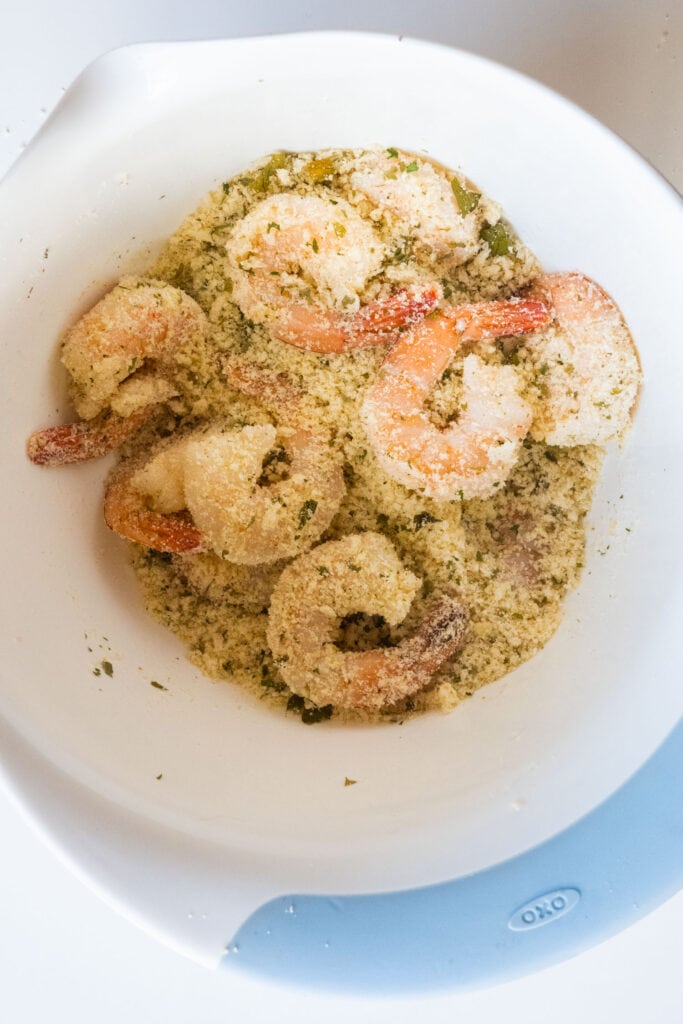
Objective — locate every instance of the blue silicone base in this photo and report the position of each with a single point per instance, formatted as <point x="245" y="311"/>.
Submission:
<point x="546" y="905"/>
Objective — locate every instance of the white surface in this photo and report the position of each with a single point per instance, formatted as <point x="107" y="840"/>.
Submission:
<point x="606" y="74"/>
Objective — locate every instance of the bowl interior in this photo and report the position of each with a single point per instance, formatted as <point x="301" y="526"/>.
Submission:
<point x="138" y="141"/>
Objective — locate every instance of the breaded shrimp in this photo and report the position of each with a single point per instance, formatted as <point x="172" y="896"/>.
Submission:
<point x="290" y="249"/>
<point x="359" y="572"/>
<point x="139" y="323"/>
<point x="439" y="211"/>
<point x="474" y="455"/>
<point x="587" y="364"/>
<point x="203" y="493"/>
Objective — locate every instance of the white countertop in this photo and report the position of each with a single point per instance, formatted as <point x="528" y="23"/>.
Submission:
<point x="64" y="955"/>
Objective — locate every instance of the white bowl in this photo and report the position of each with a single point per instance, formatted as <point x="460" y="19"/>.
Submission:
<point x="251" y="803"/>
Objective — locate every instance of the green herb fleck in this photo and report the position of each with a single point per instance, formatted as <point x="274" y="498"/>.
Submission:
<point x="322" y="570"/>
<point x="411" y="167"/>
<point x="466" y="200"/>
<point x="309" y="716"/>
<point x="295" y="703"/>
<point x="500" y="243"/>
<point x="339" y="229"/>
<point x="158" y="686"/>
<point x="349" y="782"/>
<point x="271" y="684"/>
<point x="272" y="227"/>
<point x="226" y="187"/>
<point x="314" y="245"/>
<point x="107" y="668"/>
<point x="262" y="179"/>
<point x="423" y="519"/>
<point x="392" y="152"/>
<point x="159" y="776"/>
<point x="306" y="511"/>
<point x="353" y="567"/>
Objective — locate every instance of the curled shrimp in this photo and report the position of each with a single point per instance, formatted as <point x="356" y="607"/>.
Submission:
<point x="587" y="364"/>
<point x="359" y="572"/>
<point x="288" y="247"/>
<point x="212" y="480"/>
<point x="139" y="323"/>
<point x="441" y="212"/>
<point x="474" y="455"/>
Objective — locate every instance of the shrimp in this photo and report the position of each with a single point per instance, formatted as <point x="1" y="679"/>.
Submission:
<point x="289" y="246"/>
<point x="587" y="364"/>
<point x="359" y="572"/>
<point x="442" y="213"/>
<point x="249" y="523"/>
<point x="138" y="322"/>
<point x="203" y="493"/>
<point x="474" y="455"/>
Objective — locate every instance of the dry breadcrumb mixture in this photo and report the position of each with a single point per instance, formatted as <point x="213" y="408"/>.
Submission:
<point x="512" y="557"/>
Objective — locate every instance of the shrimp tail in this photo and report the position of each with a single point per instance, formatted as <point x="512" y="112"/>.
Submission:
<point x="126" y="514"/>
<point x="502" y="318"/>
<point x="327" y="331"/>
<point x="385" y="678"/>
<point x="442" y="632"/>
<point x="406" y="307"/>
<point x="84" y="440"/>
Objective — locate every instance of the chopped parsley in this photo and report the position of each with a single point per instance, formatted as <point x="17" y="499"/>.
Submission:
<point x="500" y="243"/>
<point x="158" y="686"/>
<point x="393" y="153"/>
<point x="423" y="519"/>
<point x="306" y="511"/>
<point x="465" y="199"/>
